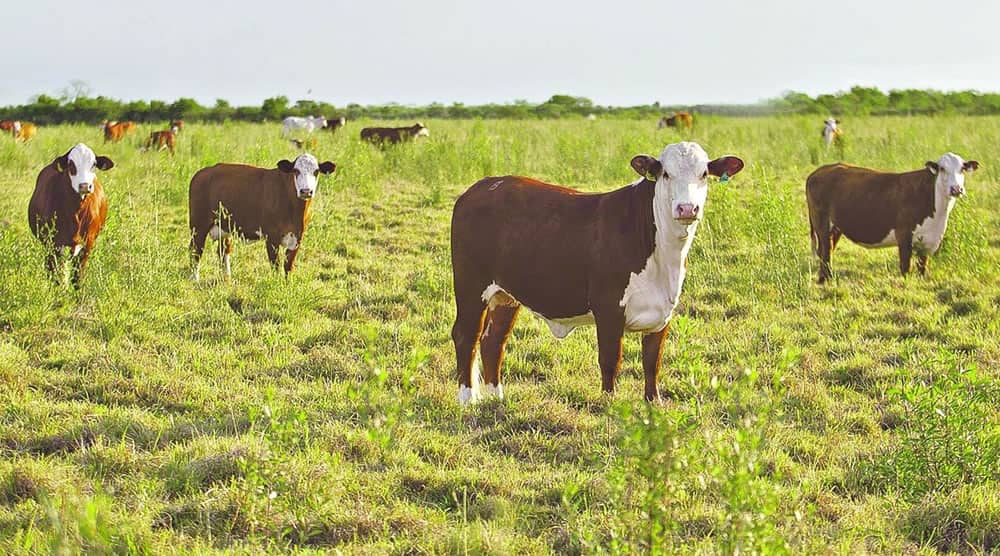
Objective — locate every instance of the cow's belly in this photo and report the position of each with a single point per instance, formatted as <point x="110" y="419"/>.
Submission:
<point x="888" y="241"/>
<point x="560" y="327"/>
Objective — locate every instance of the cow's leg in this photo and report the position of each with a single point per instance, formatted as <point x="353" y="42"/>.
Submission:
<point x="652" y="349"/>
<point x="79" y="263"/>
<point x="610" y="328"/>
<point x="835" y="235"/>
<point x="823" y="241"/>
<point x="290" y="259"/>
<point x="272" y="253"/>
<point x="905" y="241"/>
<point x="196" y="248"/>
<point x="496" y="331"/>
<point x="465" y="332"/>
<point x="225" y="255"/>
<point x="922" y="264"/>
<point x="53" y="266"/>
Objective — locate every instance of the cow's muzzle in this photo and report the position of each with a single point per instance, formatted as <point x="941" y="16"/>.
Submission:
<point x="305" y="195"/>
<point x="686" y="213"/>
<point x="956" y="191"/>
<point x="85" y="189"/>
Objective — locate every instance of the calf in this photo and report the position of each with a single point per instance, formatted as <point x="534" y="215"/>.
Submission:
<point x="613" y="259"/>
<point x="831" y="132"/>
<point x="881" y="209"/>
<point x="679" y="119"/>
<point x="163" y="139"/>
<point x="68" y="208"/>
<point x="295" y="123"/>
<point x="336" y="123"/>
<point x="394" y="135"/>
<point x="273" y="204"/>
<point x="24" y="131"/>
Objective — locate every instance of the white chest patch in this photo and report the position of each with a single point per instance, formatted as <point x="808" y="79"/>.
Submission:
<point x="929" y="233"/>
<point x="290" y="242"/>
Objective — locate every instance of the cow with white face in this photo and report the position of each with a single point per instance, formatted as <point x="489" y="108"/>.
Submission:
<point x="273" y="204"/>
<point x="307" y="124"/>
<point x="830" y="131"/>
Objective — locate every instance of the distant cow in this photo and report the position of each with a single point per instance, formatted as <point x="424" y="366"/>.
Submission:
<point x="177" y="125"/>
<point x="336" y="123"/>
<point x="114" y="132"/>
<point x="273" y="204"/>
<point x="7" y="126"/>
<point x="614" y="259"/>
<point x="880" y="209"/>
<point x="393" y="135"/>
<point x="679" y="119"/>
<point x="24" y="131"/>
<point x="831" y="132"/>
<point x="295" y="123"/>
<point x="68" y="208"/>
<point x="163" y="139"/>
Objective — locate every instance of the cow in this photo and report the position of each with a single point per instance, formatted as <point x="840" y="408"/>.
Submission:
<point x="394" y="135"/>
<point x="163" y="139"/>
<point x="7" y="126"/>
<point x="24" y="131"/>
<point x="295" y="123"/>
<point x="179" y="124"/>
<point x="130" y="126"/>
<point x="114" y="131"/>
<point x="882" y="209"/>
<point x="679" y="119"/>
<point x="615" y="259"/>
<point x="273" y="204"/>
<point x="336" y="123"/>
<point x="68" y="208"/>
<point x="831" y="133"/>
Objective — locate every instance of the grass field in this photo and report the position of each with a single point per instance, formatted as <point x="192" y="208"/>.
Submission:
<point x="150" y="414"/>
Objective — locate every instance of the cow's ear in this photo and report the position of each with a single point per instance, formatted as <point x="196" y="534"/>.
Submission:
<point x="725" y="166"/>
<point x="970" y="166"/>
<point x="104" y="163"/>
<point x="647" y="166"/>
<point x="932" y="166"/>
<point x="286" y="166"/>
<point x="61" y="162"/>
<point x="327" y="167"/>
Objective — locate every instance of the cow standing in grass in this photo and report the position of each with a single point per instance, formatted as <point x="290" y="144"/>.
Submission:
<point x="394" y="135"/>
<point x="880" y="209"/>
<point x="273" y="204"/>
<point x="832" y="134"/>
<point x="307" y="124"/>
<point x="614" y="259"/>
<point x="68" y="208"/>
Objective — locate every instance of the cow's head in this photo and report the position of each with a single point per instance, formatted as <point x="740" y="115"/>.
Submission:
<point x="80" y="164"/>
<point x="682" y="172"/>
<point x="831" y="123"/>
<point x="421" y="130"/>
<point x="306" y="170"/>
<point x="950" y="170"/>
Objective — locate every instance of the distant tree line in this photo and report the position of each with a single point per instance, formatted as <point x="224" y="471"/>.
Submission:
<point x="81" y="108"/>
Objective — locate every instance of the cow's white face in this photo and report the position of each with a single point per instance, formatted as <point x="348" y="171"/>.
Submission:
<point x="682" y="173"/>
<point x="950" y="170"/>
<point x="80" y="164"/>
<point x="831" y="124"/>
<point x="306" y="170"/>
<point x="423" y="132"/>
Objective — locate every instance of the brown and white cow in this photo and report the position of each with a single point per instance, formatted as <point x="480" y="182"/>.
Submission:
<point x="831" y="131"/>
<point x="7" y="126"/>
<point x="24" y="131"/>
<point x="336" y="123"/>
<point x="273" y="204"/>
<point x="613" y="259"/>
<point x="177" y="124"/>
<point x="114" y="131"/>
<point x="881" y="209"/>
<point x="679" y="119"/>
<point x="163" y="139"/>
<point x="68" y="207"/>
<point x="394" y="135"/>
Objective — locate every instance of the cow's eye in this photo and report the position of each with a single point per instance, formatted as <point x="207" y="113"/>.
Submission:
<point x="666" y="176"/>
<point x="316" y="173"/>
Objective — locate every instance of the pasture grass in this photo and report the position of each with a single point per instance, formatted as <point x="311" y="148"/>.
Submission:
<point x="150" y="414"/>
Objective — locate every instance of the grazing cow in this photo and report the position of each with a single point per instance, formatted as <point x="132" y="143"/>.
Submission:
<point x="679" y="119"/>
<point x="394" y="135"/>
<point x="7" y="126"/>
<point x="336" y="123"/>
<point x="881" y="209"/>
<point x="295" y="123"/>
<point x="831" y="132"/>
<point x="24" y="131"/>
<point x="253" y="203"/>
<point x="163" y="139"/>
<point x="114" y="131"/>
<point x="613" y="259"/>
<point x="68" y="208"/>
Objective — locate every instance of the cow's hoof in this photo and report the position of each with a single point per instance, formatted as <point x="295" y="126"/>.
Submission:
<point x="467" y="395"/>
<point x="493" y="391"/>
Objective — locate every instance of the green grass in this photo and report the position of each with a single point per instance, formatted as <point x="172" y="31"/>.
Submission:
<point x="150" y="414"/>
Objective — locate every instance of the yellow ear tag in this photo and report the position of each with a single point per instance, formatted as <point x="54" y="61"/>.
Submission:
<point x="59" y="166"/>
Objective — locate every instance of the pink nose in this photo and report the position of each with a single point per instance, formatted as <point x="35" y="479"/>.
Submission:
<point x="956" y="191"/>
<point x="687" y="211"/>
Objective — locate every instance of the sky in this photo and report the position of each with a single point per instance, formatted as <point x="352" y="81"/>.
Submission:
<point x="621" y="52"/>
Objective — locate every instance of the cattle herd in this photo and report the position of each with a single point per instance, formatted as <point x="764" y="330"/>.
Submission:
<point x="616" y="260"/>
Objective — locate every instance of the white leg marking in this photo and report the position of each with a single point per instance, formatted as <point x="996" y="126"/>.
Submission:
<point x="228" y="268"/>
<point x="467" y="395"/>
<point x="492" y="391"/>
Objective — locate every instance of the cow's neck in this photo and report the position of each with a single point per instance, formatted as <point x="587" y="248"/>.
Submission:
<point x="929" y="232"/>
<point x="673" y="241"/>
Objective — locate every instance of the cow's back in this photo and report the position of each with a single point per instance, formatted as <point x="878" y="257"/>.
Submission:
<point x="246" y="192"/>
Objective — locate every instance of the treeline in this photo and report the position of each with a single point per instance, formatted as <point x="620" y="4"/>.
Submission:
<point x="858" y="101"/>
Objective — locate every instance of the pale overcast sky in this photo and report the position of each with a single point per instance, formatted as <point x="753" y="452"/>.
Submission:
<point x="420" y="51"/>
